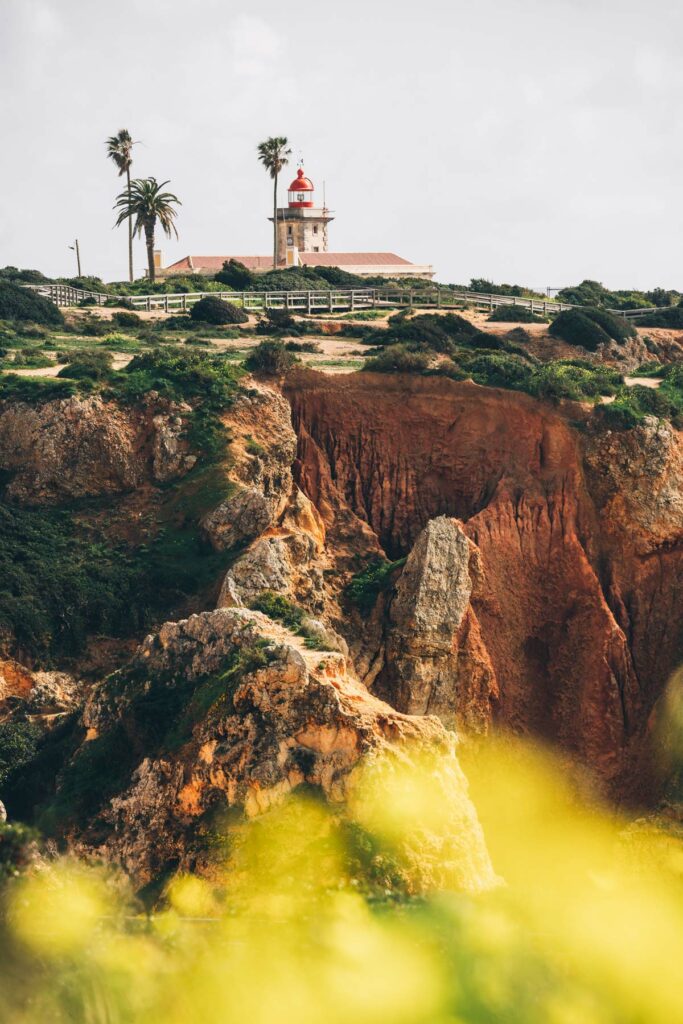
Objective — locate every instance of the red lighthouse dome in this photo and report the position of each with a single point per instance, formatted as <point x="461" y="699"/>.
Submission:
<point x="301" y="190"/>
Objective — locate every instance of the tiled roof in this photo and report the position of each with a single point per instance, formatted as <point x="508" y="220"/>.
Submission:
<point x="351" y="259"/>
<point x="199" y="263"/>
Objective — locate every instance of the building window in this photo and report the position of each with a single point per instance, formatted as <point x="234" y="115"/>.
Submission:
<point x="316" y="248"/>
<point x="315" y="229"/>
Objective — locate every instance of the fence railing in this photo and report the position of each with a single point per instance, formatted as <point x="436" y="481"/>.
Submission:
<point x="333" y="301"/>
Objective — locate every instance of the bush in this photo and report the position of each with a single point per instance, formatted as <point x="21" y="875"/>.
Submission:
<point x="33" y="358"/>
<point x="276" y="321"/>
<point x="277" y="607"/>
<point x="125" y="319"/>
<point x="619" y="329"/>
<point x="499" y="370"/>
<point x="515" y="315"/>
<point x="367" y="585"/>
<point x="89" y="325"/>
<point x="303" y="346"/>
<point x="212" y="310"/>
<point x="18" y="742"/>
<point x="576" y="328"/>
<point x="18" y="849"/>
<point x="235" y="275"/>
<point x="398" y="359"/>
<point x="91" y="364"/>
<point x="35" y="390"/>
<point x="18" y="303"/>
<point x="669" y="317"/>
<point x="270" y="357"/>
<point x="26" y="276"/>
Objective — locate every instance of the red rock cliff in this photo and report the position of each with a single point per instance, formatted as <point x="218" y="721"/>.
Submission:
<point x="579" y="533"/>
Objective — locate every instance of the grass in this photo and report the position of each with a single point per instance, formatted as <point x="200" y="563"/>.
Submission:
<point x="281" y="609"/>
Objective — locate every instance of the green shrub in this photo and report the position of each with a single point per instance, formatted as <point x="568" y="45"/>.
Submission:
<point x="367" y="585"/>
<point x="570" y="379"/>
<point x="87" y="283"/>
<point x="270" y="357"/>
<point x="669" y="317"/>
<point x="25" y="276"/>
<point x="303" y="346"/>
<point x="180" y="375"/>
<point x="277" y="607"/>
<point x="212" y="310"/>
<point x="398" y="359"/>
<point x="29" y="358"/>
<point x="18" y="743"/>
<point x="426" y="331"/>
<point x="576" y="328"/>
<point x="89" y="364"/>
<point x="276" y="321"/>
<point x="88" y="325"/>
<point x="125" y="319"/>
<point x="482" y="286"/>
<point x="18" y="303"/>
<point x="18" y="846"/>
<point x="499" y="370"/>
<point x="235" y="275"/>
<point x="619" y="329"/>
<point x="515" y="315"/>
<point x="35" y="390"/>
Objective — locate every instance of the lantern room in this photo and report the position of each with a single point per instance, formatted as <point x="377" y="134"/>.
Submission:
<point x="300" y="194"/>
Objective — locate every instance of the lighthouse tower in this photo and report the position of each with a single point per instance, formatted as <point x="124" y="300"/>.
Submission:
<point x="301" y="225"/>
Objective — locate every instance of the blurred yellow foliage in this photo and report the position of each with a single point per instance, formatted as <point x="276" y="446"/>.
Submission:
<point x="318" y="917"/>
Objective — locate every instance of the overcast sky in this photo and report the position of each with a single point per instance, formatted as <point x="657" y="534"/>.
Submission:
<point x="534" y="141"/>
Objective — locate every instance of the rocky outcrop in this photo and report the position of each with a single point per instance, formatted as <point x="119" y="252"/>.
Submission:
<point x="42" y="696"/>
<point x="263" y="446"/>
<point x="578" y="534"/>
<point x="86" y="447"/>
<point x="435" y="659"/>
<point x="279" y="720"/>
<point x="288" y="559"/>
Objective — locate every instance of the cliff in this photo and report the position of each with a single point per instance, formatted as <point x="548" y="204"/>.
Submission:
<point x="578" y="534"/>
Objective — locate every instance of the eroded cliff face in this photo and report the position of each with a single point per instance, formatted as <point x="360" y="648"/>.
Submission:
<point x="286" y="717"/>
<point x="88" y="447"/>
<point x="578" y="533"/>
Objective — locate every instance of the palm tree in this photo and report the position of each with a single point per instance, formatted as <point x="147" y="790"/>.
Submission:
<point x="274" y="155"/>
<point x="120" y="150"/>
<point x="145" y="201"/>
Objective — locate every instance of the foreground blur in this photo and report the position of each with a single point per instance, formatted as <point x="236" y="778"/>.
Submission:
<point x="314" y="918"/>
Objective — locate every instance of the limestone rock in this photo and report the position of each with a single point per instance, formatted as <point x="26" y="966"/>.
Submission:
<point x="84" y="447"/>
<point x="298" y="717"/>
<point x="263" y="449"/>
<point x="435" y="660"/>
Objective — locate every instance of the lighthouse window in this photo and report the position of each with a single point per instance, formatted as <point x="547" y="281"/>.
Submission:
<point x="315" y="229"/>
<point x="300" y="197"/>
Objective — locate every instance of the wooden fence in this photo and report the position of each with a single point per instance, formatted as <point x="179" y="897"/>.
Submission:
<point x="333" y="301"/>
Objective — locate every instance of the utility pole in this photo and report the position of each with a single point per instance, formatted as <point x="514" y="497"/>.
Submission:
<point x="75" y="248"/>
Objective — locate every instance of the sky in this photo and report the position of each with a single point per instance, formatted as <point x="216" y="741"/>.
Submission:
<point x="528" y="141"/>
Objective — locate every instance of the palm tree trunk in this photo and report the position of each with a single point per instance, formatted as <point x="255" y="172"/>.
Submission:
<point x="130" y="232"/>
<point x="149" y="242"/>
<point x="275" y="222"/>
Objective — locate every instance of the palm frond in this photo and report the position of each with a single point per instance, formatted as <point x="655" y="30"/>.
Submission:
<point x="274" y="154"/>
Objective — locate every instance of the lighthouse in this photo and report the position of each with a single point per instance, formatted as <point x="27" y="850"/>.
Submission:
<point x="301" y="225"/>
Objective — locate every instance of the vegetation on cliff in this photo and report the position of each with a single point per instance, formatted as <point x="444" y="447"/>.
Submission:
<point x="17" y="303"/>
<point x="589" y="328"/>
